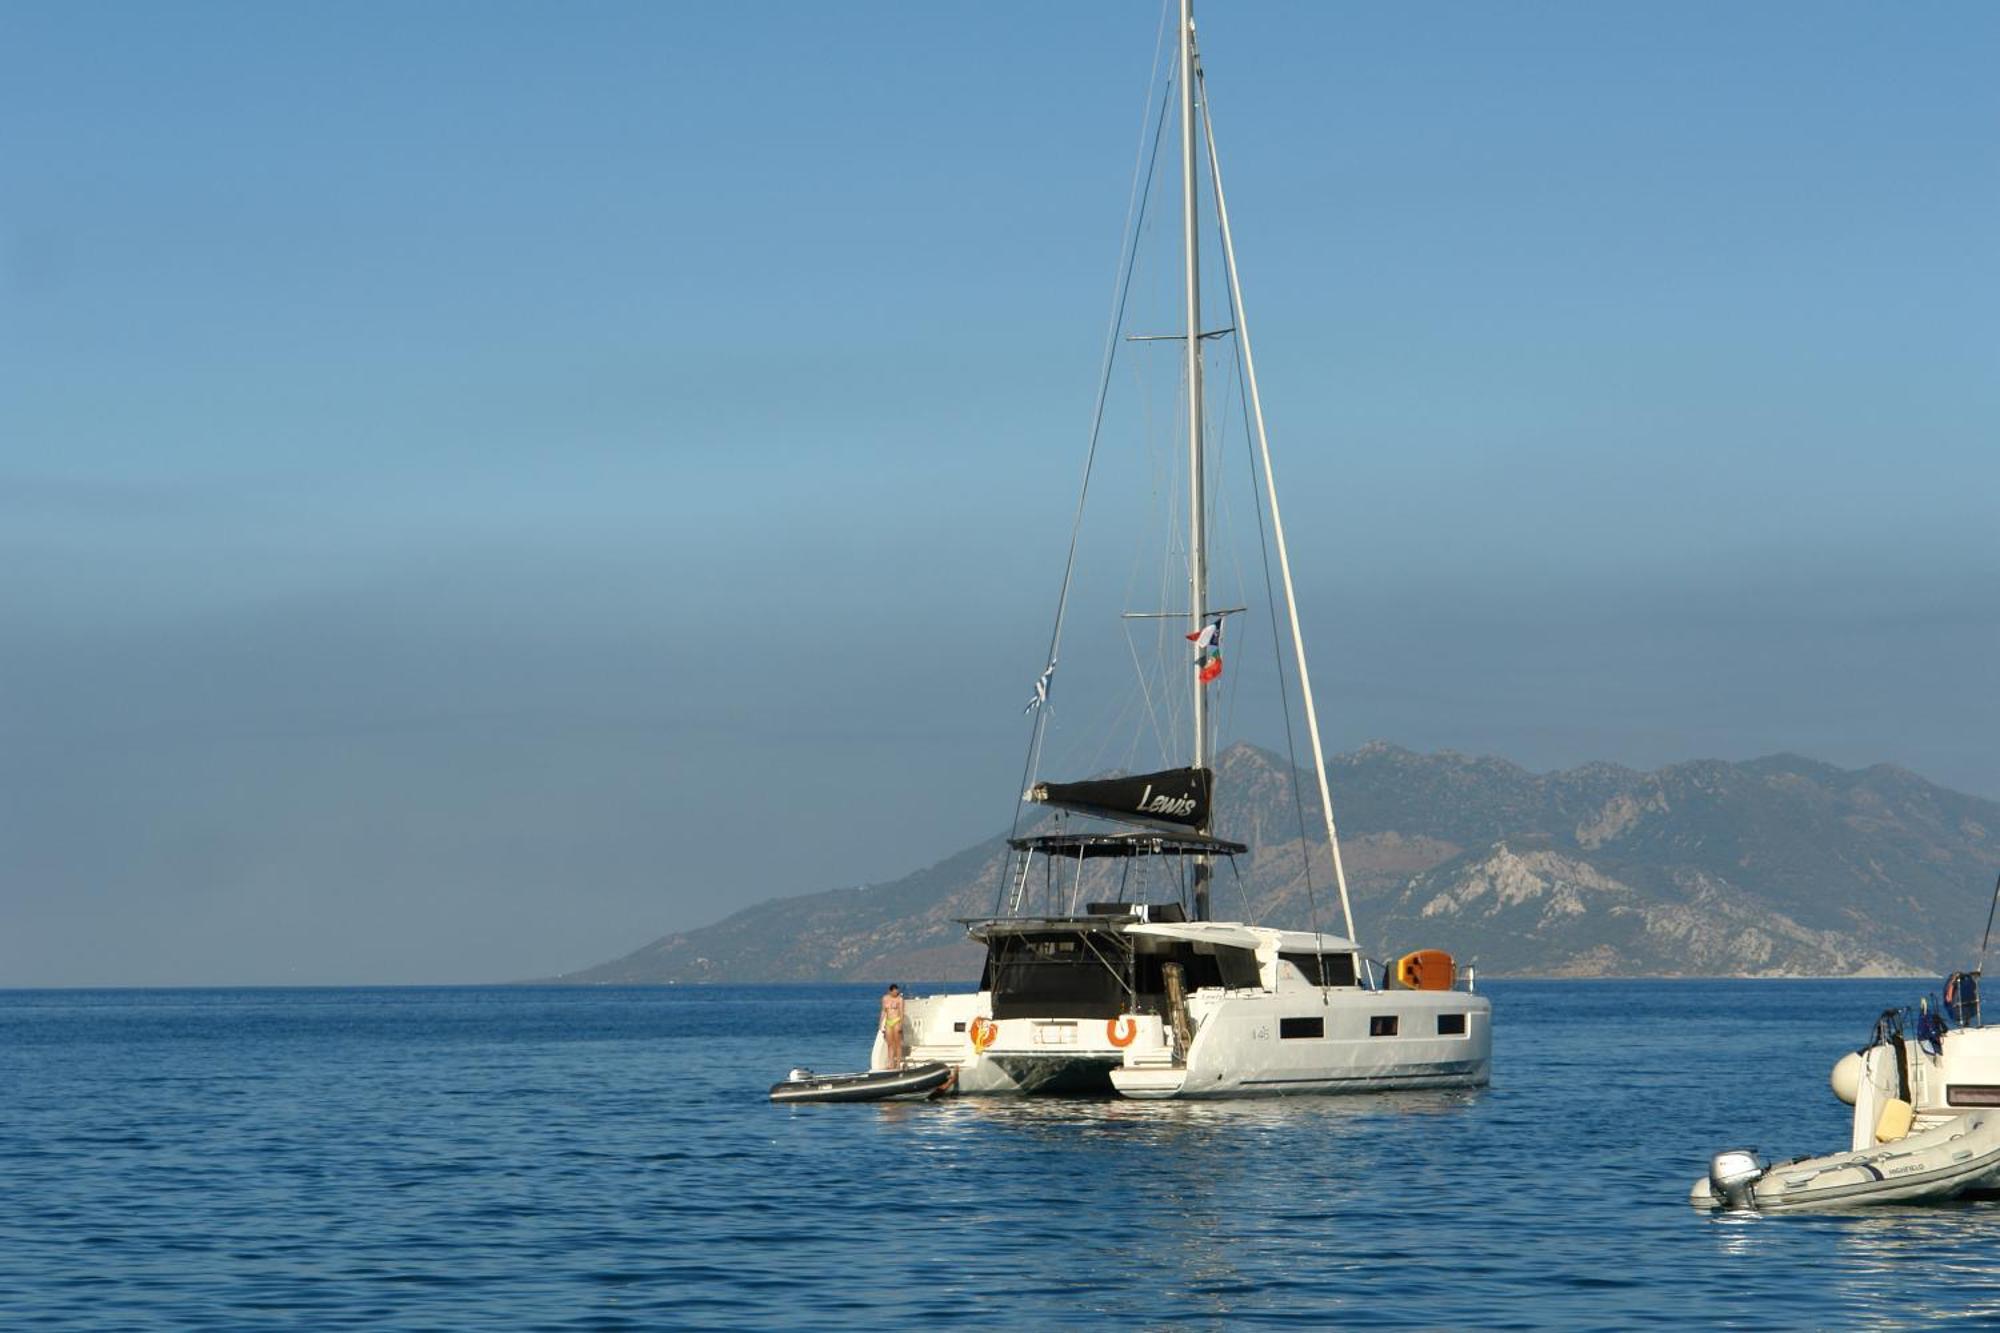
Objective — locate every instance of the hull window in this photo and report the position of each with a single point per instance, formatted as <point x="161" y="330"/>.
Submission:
<point x="1451" y="1025"/>
<point x="1382" y="1025"/>
<point x="1301" y="1027"/>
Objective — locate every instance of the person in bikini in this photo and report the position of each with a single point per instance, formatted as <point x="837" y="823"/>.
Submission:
<point x="892" y="1025"/>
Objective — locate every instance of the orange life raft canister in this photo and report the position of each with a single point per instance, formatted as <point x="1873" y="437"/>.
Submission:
<point x="1425" y="969"/>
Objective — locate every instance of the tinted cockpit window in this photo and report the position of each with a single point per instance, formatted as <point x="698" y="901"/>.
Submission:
<point x="1339" y="967"/>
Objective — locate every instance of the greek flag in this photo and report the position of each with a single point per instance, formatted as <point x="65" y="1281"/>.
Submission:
<point x="1041" y="695"/>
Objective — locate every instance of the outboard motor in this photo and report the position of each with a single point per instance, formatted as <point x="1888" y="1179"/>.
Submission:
<point x="1731" y="1174"/>
<point x="799" y="1074"/>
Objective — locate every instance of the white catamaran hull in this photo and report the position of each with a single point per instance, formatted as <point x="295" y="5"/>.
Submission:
<point x="1246" y="1044"/>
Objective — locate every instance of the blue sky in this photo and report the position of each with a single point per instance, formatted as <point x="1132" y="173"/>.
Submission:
<point x="483" y="485"/>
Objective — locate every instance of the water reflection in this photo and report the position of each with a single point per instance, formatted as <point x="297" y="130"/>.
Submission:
<point x="1946" y="1245"/>
<point x="1041" y="1114"/>
<point x="1196" y="1198"/>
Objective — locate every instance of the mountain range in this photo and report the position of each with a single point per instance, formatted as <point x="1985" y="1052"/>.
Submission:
<point x="1781" y="866"/>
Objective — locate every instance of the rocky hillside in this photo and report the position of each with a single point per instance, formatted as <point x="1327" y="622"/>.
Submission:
<point x="1776" y="867"/>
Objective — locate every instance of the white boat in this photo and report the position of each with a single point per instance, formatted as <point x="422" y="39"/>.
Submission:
<point x="1933" y="1165"/>
<point x="1926" y="1126"/>
<point x="1147" y="995"/>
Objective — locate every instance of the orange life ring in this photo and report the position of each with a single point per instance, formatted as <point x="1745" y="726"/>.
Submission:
<point x="1128" y="1026"/>
<point x="982" y="1032"/>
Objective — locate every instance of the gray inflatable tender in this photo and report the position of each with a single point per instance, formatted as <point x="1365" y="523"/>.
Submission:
<point x="1936" y="1164"/>
<point x="911" y="1081"/>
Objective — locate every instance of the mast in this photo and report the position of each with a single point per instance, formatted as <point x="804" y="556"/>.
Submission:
<point x="1197" y="502"/>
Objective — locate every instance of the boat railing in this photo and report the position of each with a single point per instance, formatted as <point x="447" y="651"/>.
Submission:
<point x="1961" y="999"/>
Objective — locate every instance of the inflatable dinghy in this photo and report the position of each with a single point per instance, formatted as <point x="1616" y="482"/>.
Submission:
<point x="1935" y="1164"/>
<point x="907" y="1083"/>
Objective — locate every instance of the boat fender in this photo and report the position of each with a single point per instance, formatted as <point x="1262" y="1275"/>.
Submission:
<point x="1846" y="1077"/>
<point x="1731" y="1175"/>
<point x="982" y="1032"/>
<point x="1122" y="1032"/>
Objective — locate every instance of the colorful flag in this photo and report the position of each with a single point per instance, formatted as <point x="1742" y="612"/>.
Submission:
<point x="1207" y="651"/>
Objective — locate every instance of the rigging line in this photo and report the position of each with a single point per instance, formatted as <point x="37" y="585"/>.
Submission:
<point x="1278" y="658"/>
<point x="1145" y="688"/>
<point x="1117" y="973"/>
<point x="1135" y="207"/>
<point x="1983" y="939"/>
<point x="1242" y="893"/>
<point x="1229" y="700"/>
<point x="1277" y="519"/>
<point x="1021" y="887"/>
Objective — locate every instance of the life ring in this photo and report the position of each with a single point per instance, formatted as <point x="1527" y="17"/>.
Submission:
<point x="1122" y="1031"/>
<point x="982" y="1032"/>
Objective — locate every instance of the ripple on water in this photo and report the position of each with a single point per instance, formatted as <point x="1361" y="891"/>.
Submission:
<point x="607" y="1159"/>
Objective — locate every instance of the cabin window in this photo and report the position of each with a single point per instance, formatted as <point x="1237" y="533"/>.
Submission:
<point x="1301" y="1027"/>
<point x="1382" y="1025"/>
<point x="1197" y="970"/>
<point x="1451" y="1025"/>
<point x="1237" y="967"/>
<point x="1204" y="966"/>
<point x="1339" y="967"/>
<point x="1972" y="1094"/>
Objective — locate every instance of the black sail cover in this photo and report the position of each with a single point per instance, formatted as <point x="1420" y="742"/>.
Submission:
<point x="1177" y="796"/>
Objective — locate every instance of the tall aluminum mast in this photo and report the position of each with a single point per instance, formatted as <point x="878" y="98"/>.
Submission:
<point x="1197" y="503"/>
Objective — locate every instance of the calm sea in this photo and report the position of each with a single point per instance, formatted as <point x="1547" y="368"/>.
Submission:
<point x="548" y="1158"/>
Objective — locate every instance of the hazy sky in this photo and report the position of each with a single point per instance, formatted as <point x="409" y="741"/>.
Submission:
<point x="482" y="485"/>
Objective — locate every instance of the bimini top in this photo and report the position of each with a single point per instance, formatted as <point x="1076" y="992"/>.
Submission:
<point x="1235" y="934"/>
<point x="1088" y="845"/>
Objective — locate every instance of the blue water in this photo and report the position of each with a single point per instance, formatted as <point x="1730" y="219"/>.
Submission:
<point x="487" y="1158"/>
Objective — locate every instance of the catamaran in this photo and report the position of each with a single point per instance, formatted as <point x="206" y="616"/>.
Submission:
<point x="1149" y="995"/>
